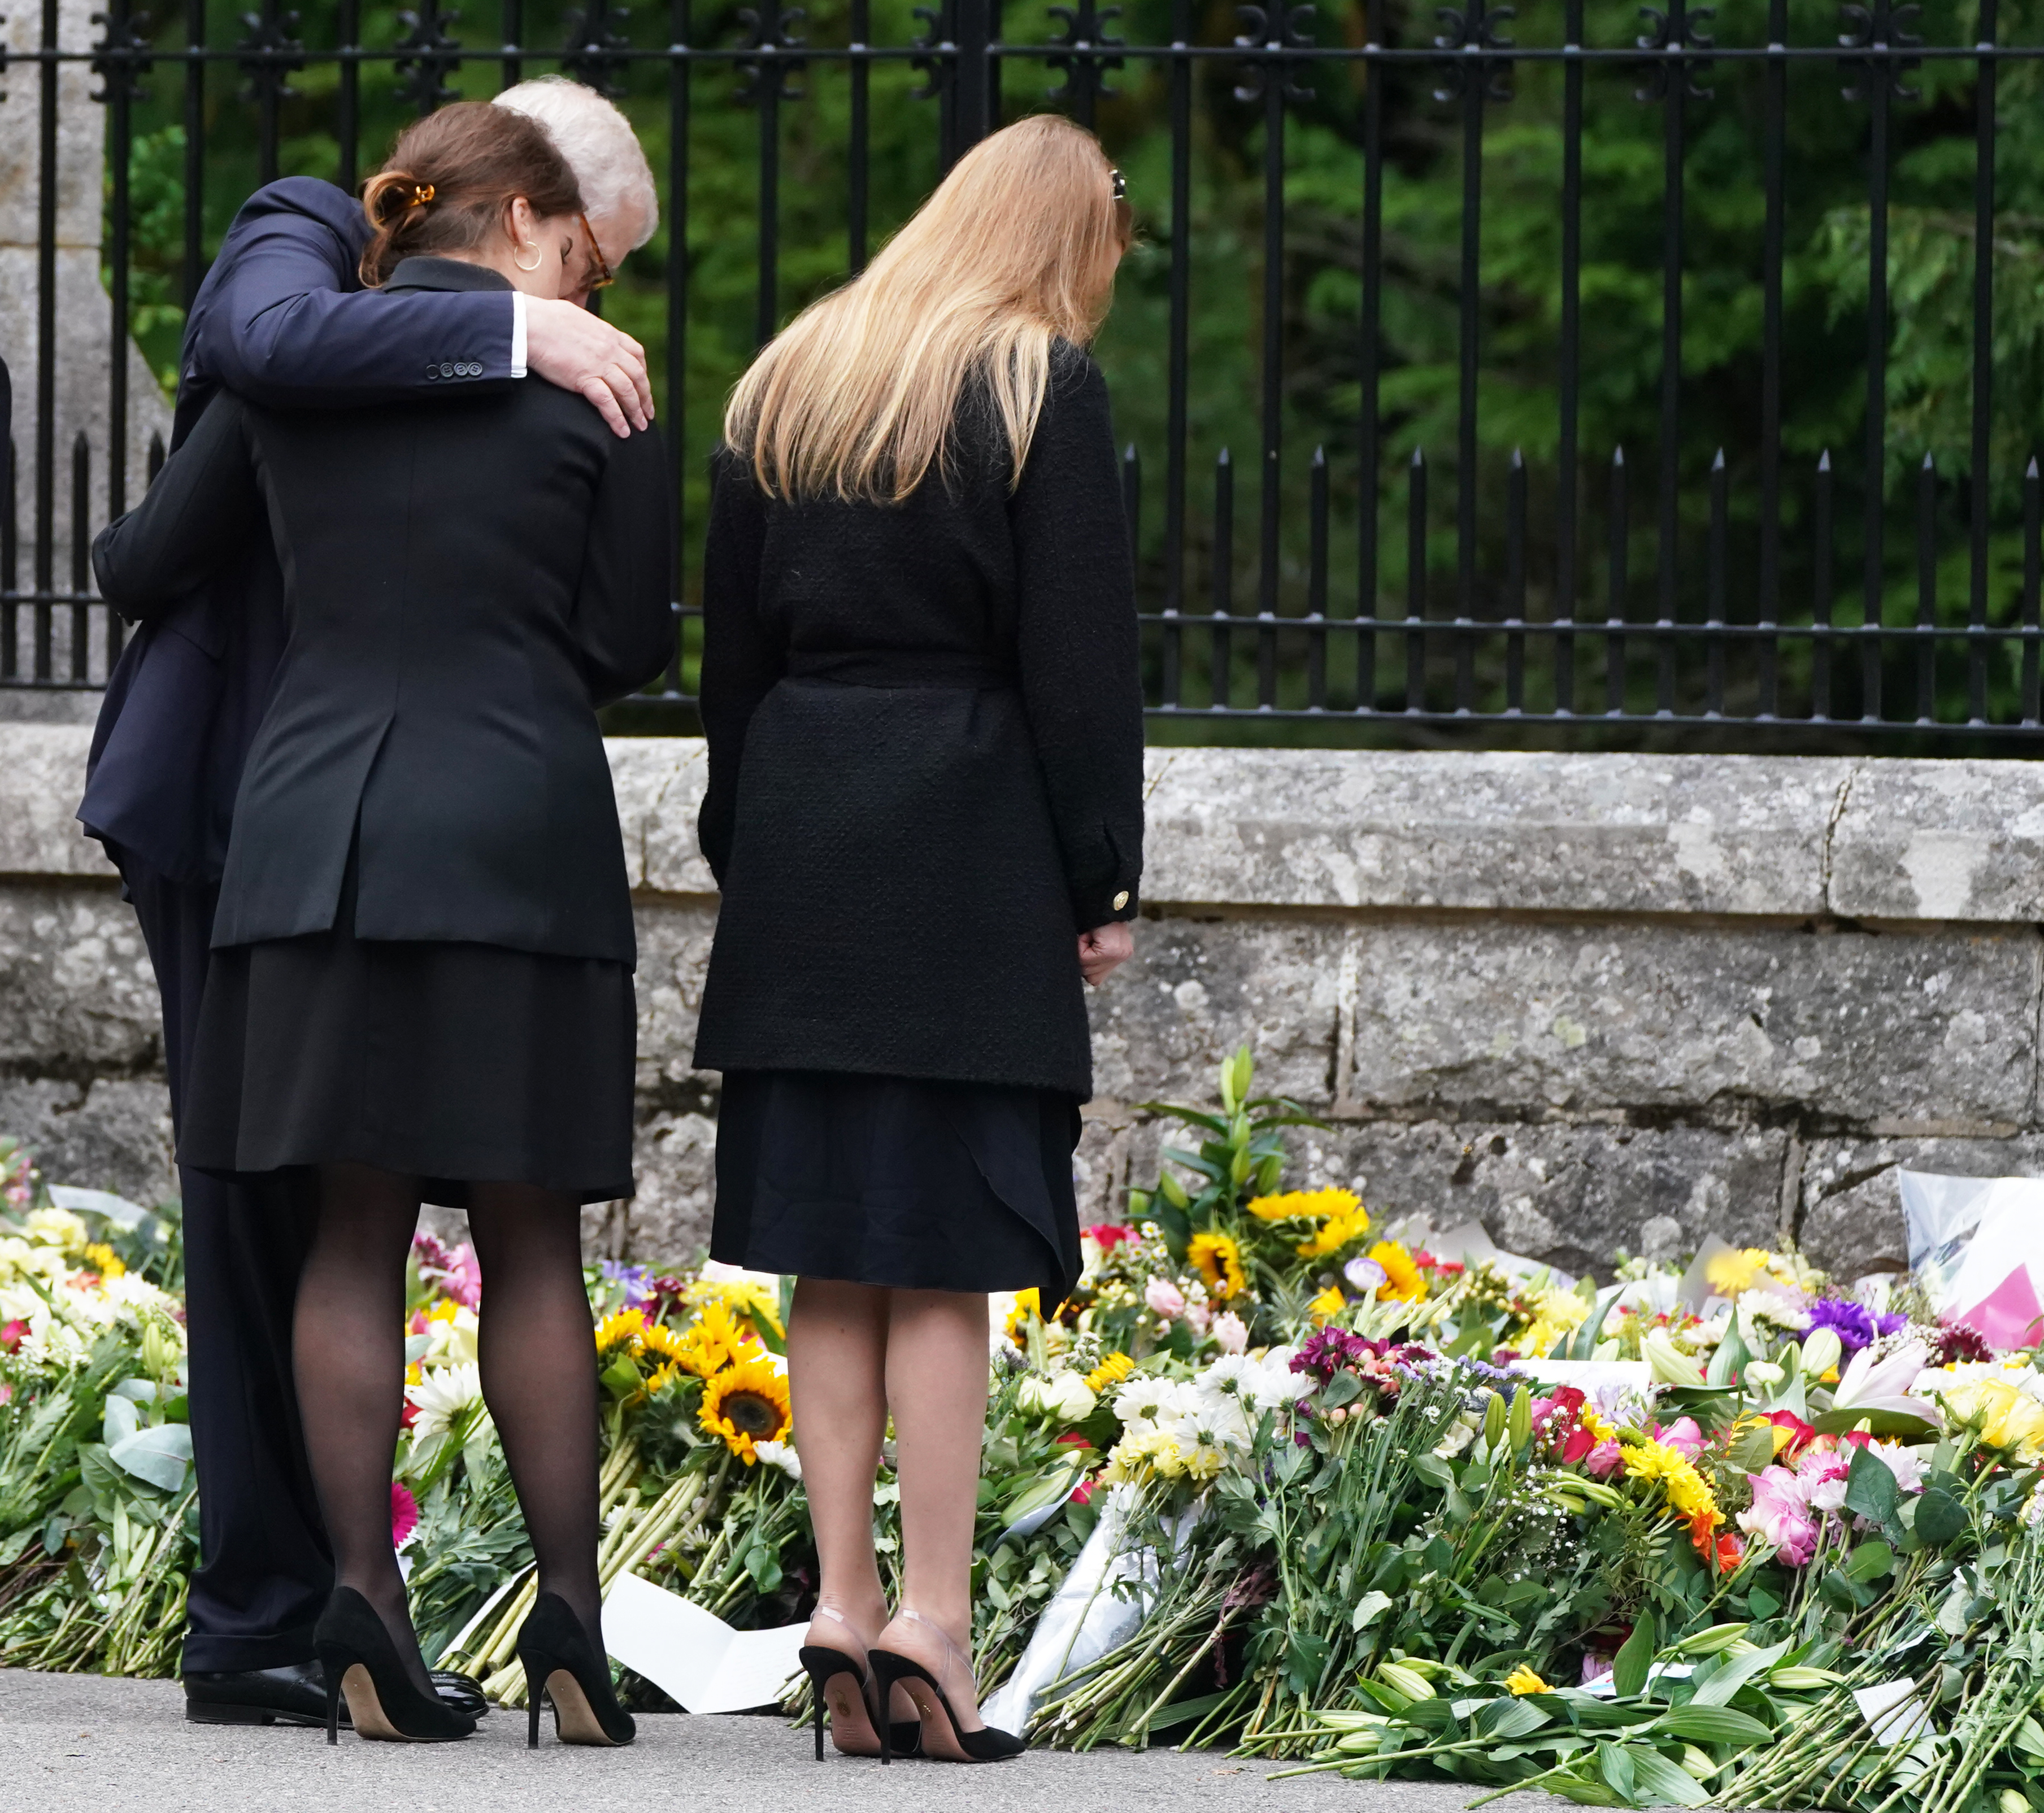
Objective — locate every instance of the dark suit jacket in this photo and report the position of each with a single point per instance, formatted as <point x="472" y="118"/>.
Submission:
<point x="282" y="319"/>
<point x="465" y="581"/>
<point x="925" y="759"/>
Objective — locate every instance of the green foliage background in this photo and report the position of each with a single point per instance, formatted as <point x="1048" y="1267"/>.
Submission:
<point x="1930" y="265"/>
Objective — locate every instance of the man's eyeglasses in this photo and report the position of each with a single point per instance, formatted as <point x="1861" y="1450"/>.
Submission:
<point x="603" y="276"/>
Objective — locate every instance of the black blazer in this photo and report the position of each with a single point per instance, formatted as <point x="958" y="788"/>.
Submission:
<point x="465" y="581"/>
<point x="925" y="759"/>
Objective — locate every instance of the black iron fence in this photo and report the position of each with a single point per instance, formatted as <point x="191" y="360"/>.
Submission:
<point x="1646" y="372"/>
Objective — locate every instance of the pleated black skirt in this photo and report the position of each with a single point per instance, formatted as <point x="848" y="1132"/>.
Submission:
<point x="455" y="1064"/>
<point x="884" y="1180"/>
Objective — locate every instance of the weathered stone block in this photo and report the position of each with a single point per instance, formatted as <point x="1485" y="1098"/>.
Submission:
<point x="1197" y="989"/>
<point x="42" y="777"/>
<point x="674" y="957"/>
<point x="1941" y="840"/>
<point x="77" y="994"/>
<point x="1612" y="833"/>
<point x="109" y="1134"/>
<point x="1713" y="1019"/>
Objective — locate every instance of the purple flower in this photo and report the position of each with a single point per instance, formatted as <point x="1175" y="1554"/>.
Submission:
<point x="1857" y="1326"/>
<point x="635" y="1282"/>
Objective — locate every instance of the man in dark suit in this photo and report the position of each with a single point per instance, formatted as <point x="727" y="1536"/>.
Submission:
<point x="283" y="318"/>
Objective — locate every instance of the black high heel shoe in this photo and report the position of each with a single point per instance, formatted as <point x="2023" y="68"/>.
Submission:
<point x="561" y="1665"/>
<point x="825" y="1665"/>
<point x="891" y="1669"/>
<point x="359" y="1660"/>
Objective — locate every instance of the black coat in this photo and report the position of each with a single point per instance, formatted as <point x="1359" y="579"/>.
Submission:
<point x="925" y="759"/>
<point x="465" y="581"/>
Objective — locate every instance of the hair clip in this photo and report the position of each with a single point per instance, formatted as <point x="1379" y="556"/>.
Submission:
<point x="1119" y="182"/>
<point x="422" y="193"/>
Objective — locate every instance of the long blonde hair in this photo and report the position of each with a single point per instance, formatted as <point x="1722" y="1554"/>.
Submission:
<point x="857" y="396"/>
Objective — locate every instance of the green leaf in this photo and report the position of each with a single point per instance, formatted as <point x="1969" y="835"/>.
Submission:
<point x="1615" y="1764"/>
<point x="1368" y="1608"/>
<point x="1870" y="1488"/>
<point x="1753" y="1448"/>
<point x="1871" y="1560"/>
<point x="1940" y="1517"/>
<point x="1634" y="1657"/>
<point x="1434" y="1470"/>
<point x="1711" y="1724"/>
<point x="1736" y="1673"/>
<point x="1888" y="1425"/>
<point x="1656" y="1781"/>
<point x="162" y="1455"/>
<point x="1505" y="1720"/>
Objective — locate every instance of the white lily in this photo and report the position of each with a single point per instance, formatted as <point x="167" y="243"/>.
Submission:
<point x="1868" y="1384"/>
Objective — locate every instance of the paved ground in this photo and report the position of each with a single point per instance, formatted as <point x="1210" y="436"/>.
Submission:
<point x="83" y="1744"/>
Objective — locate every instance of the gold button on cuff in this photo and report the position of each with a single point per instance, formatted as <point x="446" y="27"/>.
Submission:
<point x="1121" y="900"/>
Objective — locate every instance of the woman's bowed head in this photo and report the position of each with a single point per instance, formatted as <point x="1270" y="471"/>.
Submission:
<point x="487" y="184"/>
<point x="1017" y="249"/>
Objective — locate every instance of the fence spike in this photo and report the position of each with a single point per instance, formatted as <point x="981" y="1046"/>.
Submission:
<point x="1717" y="465"/>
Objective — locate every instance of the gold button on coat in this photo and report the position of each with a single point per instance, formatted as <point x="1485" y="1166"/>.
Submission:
<point x="1121" y="900"/>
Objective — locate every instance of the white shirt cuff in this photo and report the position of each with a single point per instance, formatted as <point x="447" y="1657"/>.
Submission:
<point x="517" y="333"/>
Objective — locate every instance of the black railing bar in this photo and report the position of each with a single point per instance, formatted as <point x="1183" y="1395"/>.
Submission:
<point x="1632" y="59"/>
<point x="1855" y="728"/>
<point x="1480" y="629"/>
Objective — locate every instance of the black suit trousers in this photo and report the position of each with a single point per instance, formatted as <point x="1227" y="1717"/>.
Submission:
<point x="265" y="1567"/>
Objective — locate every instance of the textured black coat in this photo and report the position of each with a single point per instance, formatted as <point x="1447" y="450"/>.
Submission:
<point x="465" y="580"/>
<point x="925" y="759"/>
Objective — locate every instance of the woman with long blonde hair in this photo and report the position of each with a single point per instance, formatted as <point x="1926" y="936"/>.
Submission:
<point x="920" y="691"/>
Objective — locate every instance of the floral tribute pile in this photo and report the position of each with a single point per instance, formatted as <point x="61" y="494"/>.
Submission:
<point x="1722" y="1533"/>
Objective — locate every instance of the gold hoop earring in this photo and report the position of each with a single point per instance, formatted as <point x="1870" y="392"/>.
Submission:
<point x="538" y="257"/>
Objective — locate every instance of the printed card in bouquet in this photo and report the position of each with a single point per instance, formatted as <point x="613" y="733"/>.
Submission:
<point x="1977" y="1245"/>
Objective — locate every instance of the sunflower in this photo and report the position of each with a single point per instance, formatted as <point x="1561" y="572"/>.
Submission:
<point x="1402" y="1281"/>
<point x="662" y="1376"/>
<point x="1028" y="1304"/>
<point x="739" y="1296"/>
<point x="626" y="1329"/>
<point x="1219" y="1262"/>
<point x="658" y="1339"/>
<point x="1309" y="1206"/>
<point x="747" y="1404"/>
<point x="715" y="1338"/>
<point x="1328" y="1304"/>
<point x="1111" y="1371"/>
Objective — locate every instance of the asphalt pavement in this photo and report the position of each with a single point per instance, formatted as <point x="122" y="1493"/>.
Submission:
<point x="85" y="1744"/>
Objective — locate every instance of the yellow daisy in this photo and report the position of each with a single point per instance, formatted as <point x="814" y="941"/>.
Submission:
<point x="1731" y="1271"/>
<point x="1688" y="1495"/>
<point x="1523" y="1679"/>
<point x="747" y="1404"/>
<point x="1328" y="1303"/>
<point x="1219" y="1262"/>
<point x="102" y="1259"/>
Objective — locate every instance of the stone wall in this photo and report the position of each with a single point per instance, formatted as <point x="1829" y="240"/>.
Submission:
<point x="1601" y="1002"/>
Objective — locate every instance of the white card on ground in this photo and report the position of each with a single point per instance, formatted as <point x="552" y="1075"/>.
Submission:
<point x="692" y="1655"/>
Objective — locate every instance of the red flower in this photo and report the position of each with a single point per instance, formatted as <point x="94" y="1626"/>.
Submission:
<point x="1082" y="1492"/>
<point x="12" y="1335"/>
<point x="1579" y="1443"/>
<point x="1109" y="1235"/>
<point x="1800" y="1434"/>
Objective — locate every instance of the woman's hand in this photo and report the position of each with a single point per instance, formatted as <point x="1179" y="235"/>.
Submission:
<point x="1104" y="949"/>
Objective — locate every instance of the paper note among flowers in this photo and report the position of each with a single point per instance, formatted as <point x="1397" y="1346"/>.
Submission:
<point x="692" y="1655"/>
<point x="1977" y="1243"/>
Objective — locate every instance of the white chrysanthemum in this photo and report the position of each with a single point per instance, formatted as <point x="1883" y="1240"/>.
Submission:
<point x="1214" y="1421"/>
<point x="1143" y="1403"/>
<point x="442" y="1398"/>
<point x="1273" y="1384"/>
<point x="1227" y="1374"/>
<point x="780" y="1455"/>
<point x="137" y="1299"/>
<point x="21" y="1259"/>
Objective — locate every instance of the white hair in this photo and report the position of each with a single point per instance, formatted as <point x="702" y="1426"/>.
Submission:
<point x="601" y="147"/>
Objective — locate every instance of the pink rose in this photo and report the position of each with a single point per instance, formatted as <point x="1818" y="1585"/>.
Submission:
<point x="1779" y="1514"/>
<point x="1198" y="1315"/>
<point x="1603" y="1460"/>
<point x="1230" y="1331"/>
<point x="1165" y="1297"/>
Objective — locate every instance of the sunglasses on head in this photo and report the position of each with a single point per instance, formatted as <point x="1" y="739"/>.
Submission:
<point x="1124" y="213"/>
<point x="603" y="276"/>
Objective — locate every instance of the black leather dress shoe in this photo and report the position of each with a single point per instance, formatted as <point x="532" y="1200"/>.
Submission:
<point x="296" y="1694"/>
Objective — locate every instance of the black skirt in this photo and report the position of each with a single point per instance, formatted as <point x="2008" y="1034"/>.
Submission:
<point x="884" y="1180"/>
<point x="455" y="1064"/>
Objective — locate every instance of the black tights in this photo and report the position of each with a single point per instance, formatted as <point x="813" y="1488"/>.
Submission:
<point x="538" y="1377"/>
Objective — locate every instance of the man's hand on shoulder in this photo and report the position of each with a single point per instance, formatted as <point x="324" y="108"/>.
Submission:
<point x="569" y="346"/>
